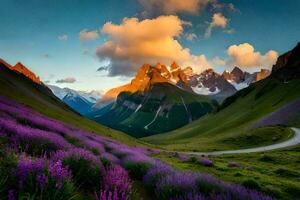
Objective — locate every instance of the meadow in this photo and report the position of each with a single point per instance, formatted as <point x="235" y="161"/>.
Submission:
<point x="231" y="127"/>
<point x="42" y="158"/>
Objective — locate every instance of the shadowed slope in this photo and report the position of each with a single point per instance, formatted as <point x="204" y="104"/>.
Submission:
<point x="22" y="89"/>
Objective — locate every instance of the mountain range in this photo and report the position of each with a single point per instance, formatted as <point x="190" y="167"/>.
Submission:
<point x="80" y="101"/>
<point x="161" y="98"/>
<point x="209" y="82"/>
<point x="272" y="102"/>
<point x="155" y="101"/>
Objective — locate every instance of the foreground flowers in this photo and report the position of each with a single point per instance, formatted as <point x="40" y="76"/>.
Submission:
<point x="42" y="158"/>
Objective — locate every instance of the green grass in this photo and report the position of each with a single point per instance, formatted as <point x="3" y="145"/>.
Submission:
<point x="276" y="172"/>
<point x="18" y="88"/>
<point x="233" y="121"/>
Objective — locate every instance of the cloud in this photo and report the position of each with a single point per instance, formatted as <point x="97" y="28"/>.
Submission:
<point x="63" y="37"/>
<point x="244" y="55"/>
<point x="66" y="80"/>
<point x="134" y="42"/>
<point x="218" y="61"/>
<point x="86" y="35"/>
<point x="190" y="36"/>
<point x="103" y="68"/>
<point x="218" y="20"/>
<point x="157" y="7"/>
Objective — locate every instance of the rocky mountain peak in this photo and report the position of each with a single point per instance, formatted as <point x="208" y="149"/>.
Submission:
<point x="19" y="67"/>
<point x="174" y="66"/>
<point x="287" y="66"/>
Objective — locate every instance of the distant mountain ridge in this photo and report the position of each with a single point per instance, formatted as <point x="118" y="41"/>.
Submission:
<point x="80" y="101"/>
<point x="209" y="82"/>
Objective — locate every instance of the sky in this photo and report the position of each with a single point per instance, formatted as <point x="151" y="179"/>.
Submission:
<point x="95" y="44"/>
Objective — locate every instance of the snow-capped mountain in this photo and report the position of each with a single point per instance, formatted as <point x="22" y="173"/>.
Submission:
<point x="211" y="83"/>
<point x="78" y="100"/>
<point x="91" y="96"/>
<point x="240" y="79"/>
<point x="208" y="83"/>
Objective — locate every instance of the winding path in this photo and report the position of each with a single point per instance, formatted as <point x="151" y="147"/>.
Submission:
<point x="290" y="142"/>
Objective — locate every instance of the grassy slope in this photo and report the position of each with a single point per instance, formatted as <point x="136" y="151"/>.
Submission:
<point x="277" y="172"/>
<point x="232" y="122"/>
<point x="19" y="88"/>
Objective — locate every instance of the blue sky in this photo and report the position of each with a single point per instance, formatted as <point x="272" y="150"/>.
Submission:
<point x="30" y="32"/>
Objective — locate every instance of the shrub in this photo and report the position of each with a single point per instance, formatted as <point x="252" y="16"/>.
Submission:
<point x="286" y="172"/>
<point x="117" y="181"/>
<point x="266" y="158"/>
<point x="251" y="184"/>
<point x="206" y="162"/>
<point x="233" y="164"/>
<point x="109" y="159"/>
<point x="193" y="159"/>
<point x="156" y="173"/>
<point x="207" y="184"/>
<point x="137" y="165"/>
<point x="39" y="178"/>
<point x="176" y="184"/>
<point x="86" y="168"/>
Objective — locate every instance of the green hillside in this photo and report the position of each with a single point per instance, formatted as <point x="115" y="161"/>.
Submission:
<point x="229" y="128"/>
<point x="21" y="89"/>
<point x="161" y="108"/>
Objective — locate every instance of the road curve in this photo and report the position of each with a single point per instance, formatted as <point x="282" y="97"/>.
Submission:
<point x="290" y="142"/>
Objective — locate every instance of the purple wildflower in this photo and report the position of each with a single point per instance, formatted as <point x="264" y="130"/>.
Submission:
<point x="11" y="195"/>
<point x="233" y="164"/>
<point x="42" y="180"/>
<point x="206" y="162"/>
<point x="57" y="171"/>
<point x="117" y="179"/>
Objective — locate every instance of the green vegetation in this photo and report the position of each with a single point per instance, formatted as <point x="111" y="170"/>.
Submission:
<point x="230" y="127"/>
<point x="274" y="172"/>
<point x="161" y="108"/>
<point x="21" y="89"/>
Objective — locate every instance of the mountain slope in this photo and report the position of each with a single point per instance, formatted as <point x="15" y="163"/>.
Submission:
<point x="77" y="102"/>
<point x="18" y="87"/>
<point x="161" y="107"/>
<point x="231" y="125"/>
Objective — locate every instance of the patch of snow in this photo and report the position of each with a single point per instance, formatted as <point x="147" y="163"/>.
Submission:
<point x="137" y="109"/>
<point x="240" y="86"/>
<point x="187" y="112"/>
<point x="200" y="89"/>
<point x="157" y="112"/>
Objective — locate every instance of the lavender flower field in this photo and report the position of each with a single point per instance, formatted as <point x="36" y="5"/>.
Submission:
<point x="41" y="158"/>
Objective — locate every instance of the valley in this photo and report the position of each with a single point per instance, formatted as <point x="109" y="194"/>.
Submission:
<point x="149" y="100"/>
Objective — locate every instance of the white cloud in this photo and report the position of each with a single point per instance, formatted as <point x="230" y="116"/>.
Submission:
<point x="190" y="36"/>
<point x="86" y="35"/>
<point x="218" y="61"/>
<point x="244" y="55"/>
<point x="63" y="37"/>
<point x="218" y="20"/>
<point x="134" y="42"/>
<point x="66" y="80"/>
